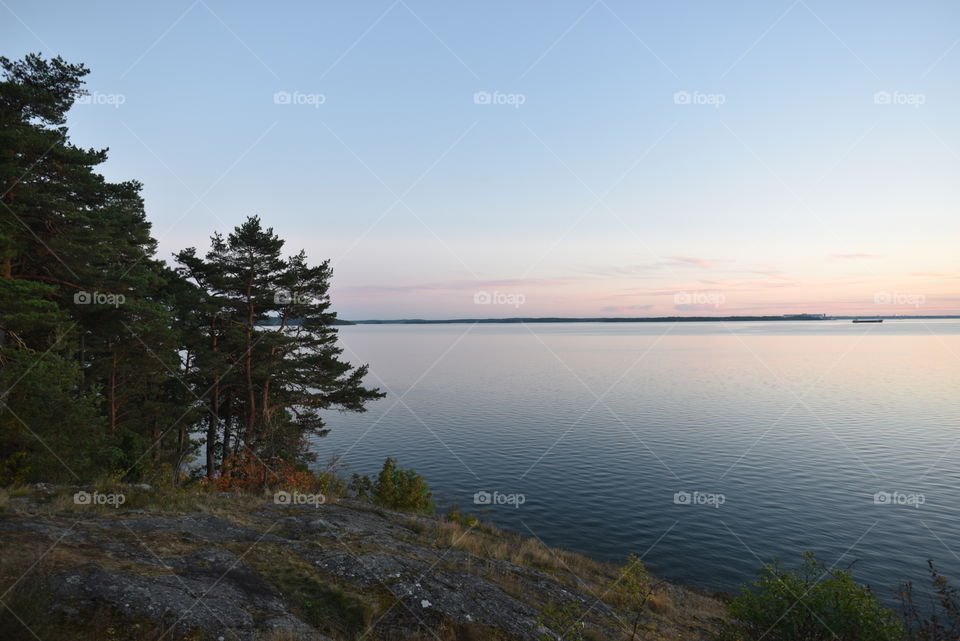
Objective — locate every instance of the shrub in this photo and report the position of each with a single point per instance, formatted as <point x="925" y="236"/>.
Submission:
<point x="395" y="489"/>
<point x="812" y="603"/>
<point x="464" y="520"/>
<point x="943" y="621"/>
<point x="249" y="473"/>
<point x="361" y="486"/>
<point x="631" y="591"/>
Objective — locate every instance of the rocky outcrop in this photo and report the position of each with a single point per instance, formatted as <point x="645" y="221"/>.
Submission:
<point x="337" y="571"/>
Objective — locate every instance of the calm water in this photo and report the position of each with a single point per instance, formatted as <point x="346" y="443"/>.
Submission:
<point x="796" y="424"/>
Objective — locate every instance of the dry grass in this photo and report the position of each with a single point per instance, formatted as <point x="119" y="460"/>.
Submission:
<point x="27" y="563"/>
<point x="486" y="541"/>
<point x="158" y="500"/>
<point x="671" y="614"/>
<point x="661" y="603"/>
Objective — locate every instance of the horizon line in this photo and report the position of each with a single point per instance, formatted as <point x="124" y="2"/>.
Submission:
<point x="642" y="319"/>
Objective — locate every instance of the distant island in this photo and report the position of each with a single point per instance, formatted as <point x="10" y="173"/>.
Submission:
<point x="651" y="319"/>
<point x="274" y="321"/>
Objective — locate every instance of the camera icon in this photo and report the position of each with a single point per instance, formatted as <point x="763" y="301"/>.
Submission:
<point x="681" y="98"/>
<point x="283" y="498"/>
<point x="682" y="498"/>
<point x="482" y="498"/>
<point x="682" y="298"/>
<point x="882" y="498"/>
<point x="482" y="98"/>
<point x="882" y="298"/>
<point x="82" y="498"/>
<point x="282" y="298"/>
<point x="282" y="98"/>
<point x="82" y="298"/>
<point x="882" y="98"/>
<point x="482" y="298"/>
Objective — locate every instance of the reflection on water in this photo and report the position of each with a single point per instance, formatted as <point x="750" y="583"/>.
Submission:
<point x="830" y="436"/>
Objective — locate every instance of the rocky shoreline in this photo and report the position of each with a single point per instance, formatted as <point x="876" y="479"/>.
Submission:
<point x="202" y="565"/>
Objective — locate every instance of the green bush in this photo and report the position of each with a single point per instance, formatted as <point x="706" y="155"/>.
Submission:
<point x="631" y="591"/>
<point x="812" y="603"/>
<point x="395" y="489"/>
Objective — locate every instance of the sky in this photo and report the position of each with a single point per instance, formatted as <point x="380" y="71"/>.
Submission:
<point x="542" y="158"/>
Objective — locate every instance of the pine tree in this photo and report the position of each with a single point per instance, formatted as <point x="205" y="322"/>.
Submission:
<point x="111" y="360"/>
<point x="86" y="298"/>
<point x="271" y="381"/>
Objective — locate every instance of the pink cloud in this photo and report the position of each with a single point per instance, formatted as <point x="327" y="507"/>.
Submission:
<point x="457" y="285"/>
<point x="697" y="307"/>
<point x="618" y="309"/>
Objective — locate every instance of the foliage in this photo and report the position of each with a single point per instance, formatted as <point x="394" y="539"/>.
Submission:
<point x="631" y="591"/>
<point x="469" y="521"/>
<point x="361" y="486"/>
<point x="111" y="360"/>
<point x="248" y="473"/>
<point x="942" y="623"/>
<point x="328" y="606"/>
<point x="395" y="489"/>
<point x="562" y="621"/>
<point x="812" y="603"/>
<point x="88" y="348"/>
<point x="267" y="384"/>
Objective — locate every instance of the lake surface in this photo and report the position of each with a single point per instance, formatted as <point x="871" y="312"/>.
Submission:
<point x="793" y="426"/>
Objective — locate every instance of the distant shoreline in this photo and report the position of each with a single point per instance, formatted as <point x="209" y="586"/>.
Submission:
<point x="654" y="319"/>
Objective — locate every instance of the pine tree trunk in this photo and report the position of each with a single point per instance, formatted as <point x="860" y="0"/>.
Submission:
<point x="212" y="425"/>
<point x="182" y="441"/>
<point x="113" y="393"/>
<point x="214" y="412"/>
<point x="157" y="443"/>
<point x="264" y="401"/>
<point x="248" y="367"/>
<point x="227" y="432"/>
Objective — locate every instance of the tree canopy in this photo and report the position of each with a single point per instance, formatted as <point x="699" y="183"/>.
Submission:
<point x="113" y="361"/>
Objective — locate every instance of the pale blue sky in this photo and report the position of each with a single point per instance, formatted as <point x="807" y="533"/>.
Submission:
<point x="798" y="193"/>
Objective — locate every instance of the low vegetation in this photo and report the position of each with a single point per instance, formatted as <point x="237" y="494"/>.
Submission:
<point x="395" y="489"/>
<point x="810" y="603"/>
<point x="589" y="600"/>
<point x="940" y="622"/>
<point x="317" y="565"/>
